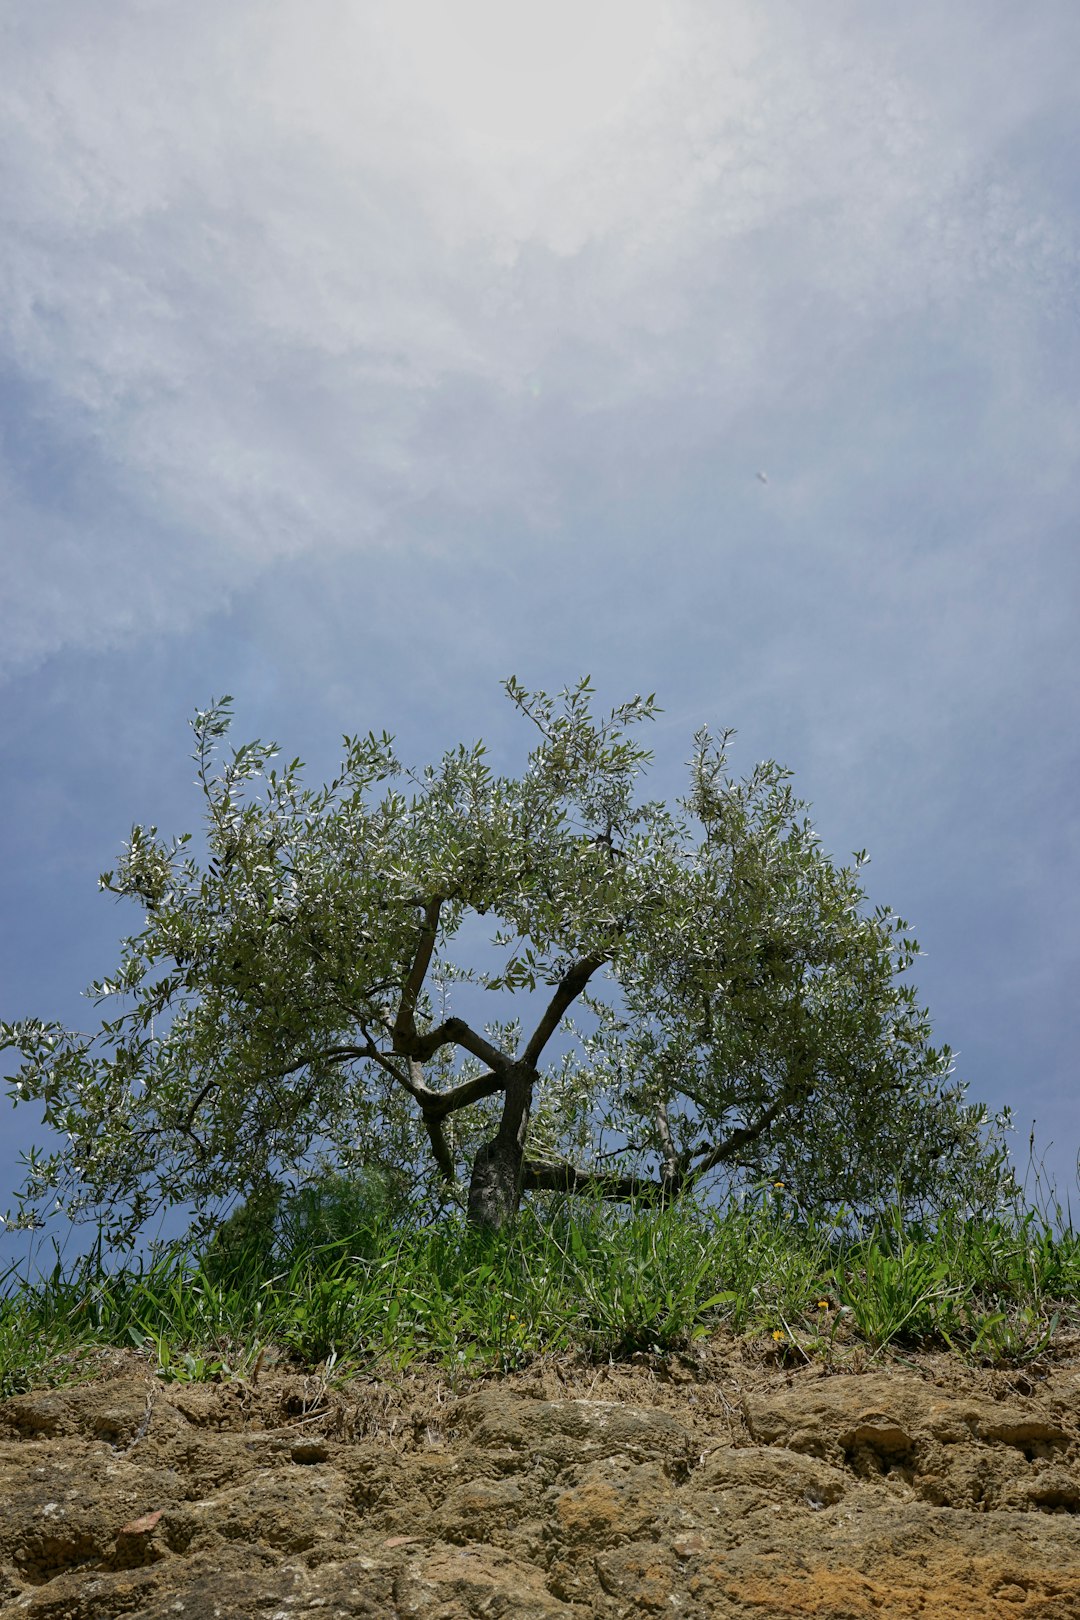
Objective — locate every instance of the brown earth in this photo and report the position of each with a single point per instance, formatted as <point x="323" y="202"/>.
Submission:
<point x="721" y="1484"/>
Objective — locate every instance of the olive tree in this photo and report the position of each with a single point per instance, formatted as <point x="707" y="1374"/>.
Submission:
<point x="680" y="992"/>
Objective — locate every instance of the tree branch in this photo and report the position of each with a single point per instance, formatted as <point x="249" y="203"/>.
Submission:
<point x="341" y="1054"/>
<point x="711" y="1156"/>
<point x="437" y="1104"/>
<point x="517" y="1106"/>
<point x="440" y="1147"/>
<point x="569" y="988"/>
<point x="456" y="1032"/>
<point x="405" y="1024"/>
<point x="548" y="1175"/>
<point x="669" y="1157"/>
<point x="186" y="1127"/>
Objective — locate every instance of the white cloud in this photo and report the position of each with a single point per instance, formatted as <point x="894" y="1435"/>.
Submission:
<point x="273" y="272"/>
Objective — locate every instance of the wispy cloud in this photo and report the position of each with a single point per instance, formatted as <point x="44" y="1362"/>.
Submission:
<point x="268" y="283"/>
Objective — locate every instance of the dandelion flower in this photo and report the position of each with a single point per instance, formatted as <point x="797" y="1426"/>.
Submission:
<point x="778" y="1335"/>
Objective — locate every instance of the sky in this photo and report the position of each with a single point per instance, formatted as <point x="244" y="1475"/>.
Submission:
<point x="357" y="354"/>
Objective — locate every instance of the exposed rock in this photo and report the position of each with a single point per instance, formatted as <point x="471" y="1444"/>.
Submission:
<point x="729" y="1488"/>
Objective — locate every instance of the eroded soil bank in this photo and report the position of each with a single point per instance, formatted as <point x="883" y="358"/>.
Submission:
<point x="715" y="1485"/>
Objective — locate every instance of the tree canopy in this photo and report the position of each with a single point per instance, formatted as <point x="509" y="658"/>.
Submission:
<point x="681" y="992"/>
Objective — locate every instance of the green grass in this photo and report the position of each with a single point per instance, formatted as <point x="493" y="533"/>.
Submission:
<point x="331" y="1279"/>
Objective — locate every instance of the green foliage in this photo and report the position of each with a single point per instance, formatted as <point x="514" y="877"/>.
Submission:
<point x="567" y="1276"/>
<point x="648" y="1291"/>
<point x="335" y="1214"/>
<point x="896" y="1287"/>
<point x="245" y="1239"/>
<point x="742" y="1012"/>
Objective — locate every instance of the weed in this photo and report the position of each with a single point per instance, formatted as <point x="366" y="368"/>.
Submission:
<point x="340" y="1278"/>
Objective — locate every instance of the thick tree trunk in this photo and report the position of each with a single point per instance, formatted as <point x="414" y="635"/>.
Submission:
<point x="495" y="1188"/>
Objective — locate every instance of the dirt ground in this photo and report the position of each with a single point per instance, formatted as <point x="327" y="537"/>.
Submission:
<point x="719" y="1484"/>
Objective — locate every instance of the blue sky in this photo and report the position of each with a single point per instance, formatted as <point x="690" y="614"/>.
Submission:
<point x="353" y="357"/>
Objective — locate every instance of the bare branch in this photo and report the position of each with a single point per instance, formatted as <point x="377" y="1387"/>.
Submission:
<point x="548" y="1175"/>
<point x="406" y="1081"/>
<point x="437" y="1104"/>
<point x="668" y="1155"/>
<point x="440" y="1148"/>
<point x="517" y="1106"/>
<point x="454" y="1032"/>
<point x="405" y="1026"/>
<point x="569" y="988"/>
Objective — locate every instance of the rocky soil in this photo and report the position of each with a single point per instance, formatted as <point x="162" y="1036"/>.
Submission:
<point x="718" y="1485"/>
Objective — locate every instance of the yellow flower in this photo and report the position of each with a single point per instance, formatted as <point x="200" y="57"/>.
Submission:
<point x="778" y="1335"/>
<point x="823" y="1304"/>
<point x="779" y="1185"/>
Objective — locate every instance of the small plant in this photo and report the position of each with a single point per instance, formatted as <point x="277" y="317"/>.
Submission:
<point x="246" y="1238"/>
<point x="181" y="1367"/>
<point x="896" y="1296"/>
<point x="582" y="1277"/>
<point x="1013" y="1339"/>
<point x="331" y="1314"/>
